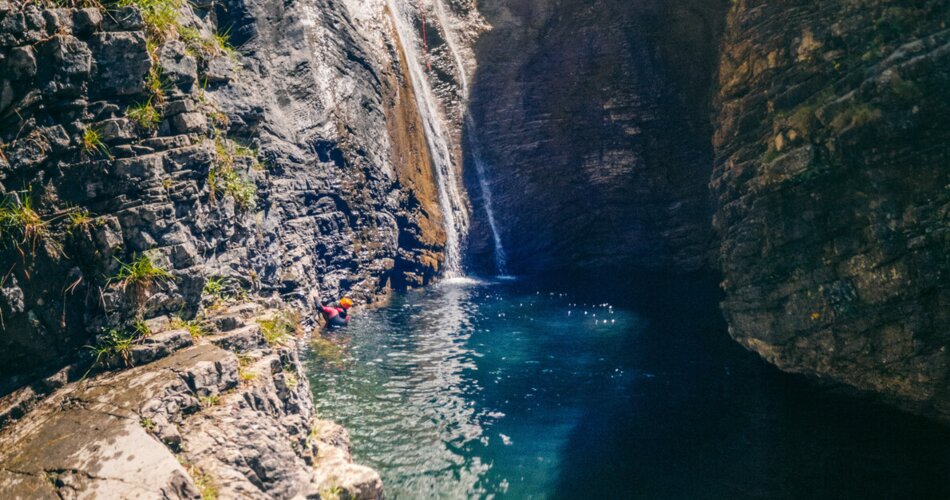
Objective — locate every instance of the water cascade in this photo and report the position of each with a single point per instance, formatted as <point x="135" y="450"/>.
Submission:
<point x="501" y="259"/>
<point x="450" y="195"/>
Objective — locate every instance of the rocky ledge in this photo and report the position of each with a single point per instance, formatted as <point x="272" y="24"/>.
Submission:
<point x="228" y="414"/>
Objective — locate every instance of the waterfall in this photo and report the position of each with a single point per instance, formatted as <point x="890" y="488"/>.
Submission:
<point x="450" y="196"/>
<point x="501" y="259"/>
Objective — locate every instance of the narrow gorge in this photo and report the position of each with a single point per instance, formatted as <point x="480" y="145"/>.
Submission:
<point x="560" y="220"/>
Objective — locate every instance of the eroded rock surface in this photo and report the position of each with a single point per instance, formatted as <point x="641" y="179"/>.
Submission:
<point x="831" y="181"/>
<point x="204" y="420"/>
<point x="293" y="165"/>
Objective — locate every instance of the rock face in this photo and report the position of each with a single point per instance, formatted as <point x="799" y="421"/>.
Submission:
<point x="593" y="120"/>
<point x="294" y="166"/>
<point x="831" y="183"/>
<point x="151" y="165"/>
<point x="229" y="417"/>
<point x="148" y="167"/>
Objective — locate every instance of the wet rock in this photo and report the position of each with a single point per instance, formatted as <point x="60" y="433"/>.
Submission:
<point x="179" y="426"/>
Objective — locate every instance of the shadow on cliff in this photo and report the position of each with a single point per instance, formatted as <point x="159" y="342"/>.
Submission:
<point x="772" y="435"/>
<point x="593" y="123"/>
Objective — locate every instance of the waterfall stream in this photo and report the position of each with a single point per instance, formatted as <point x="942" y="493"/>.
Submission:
<point x="501" y="259"/>
<point x="450" y="196"/>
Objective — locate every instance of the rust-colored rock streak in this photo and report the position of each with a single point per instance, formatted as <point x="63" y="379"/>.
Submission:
<point x="410" y="156"/>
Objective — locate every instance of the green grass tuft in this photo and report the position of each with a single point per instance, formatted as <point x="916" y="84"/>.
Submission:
<point x="290" y="378"/>
<point x="195" y="327"/>
<point x="214" y="287"/>
<point x="92" y="142"/>
<point x="224" y="177"/>
<point x="141" y="272"/>
<point x="280" y="327"/>
<point x="20" y="222"/>
<point x="207" y="486"/>
<point x="160" y="17"/>
<point x="79" y="218"/>
<point x="155" y="84"/>
<point x="223" y="42"/>
<point x="217" y="44"/>
<point x="209" y="401"/>
<point x="114" y="342"/>
<point x="332" y="493"/>
<point x="223" y="289"/>
<point x="145" y="115"/>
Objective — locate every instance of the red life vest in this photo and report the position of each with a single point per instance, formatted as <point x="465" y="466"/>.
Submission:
<point x="335" y="316"/>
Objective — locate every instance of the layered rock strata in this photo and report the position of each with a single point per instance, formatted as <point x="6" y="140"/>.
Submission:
<point x="593" y="119"/>
<point x="831" y="183"/>
<point x="227" y="415"/>
<point x="153" y="159"/>
<point x="290" y="164"/>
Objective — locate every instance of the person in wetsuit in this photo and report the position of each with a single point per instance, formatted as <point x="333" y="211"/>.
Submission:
<point x="336" y="316"/>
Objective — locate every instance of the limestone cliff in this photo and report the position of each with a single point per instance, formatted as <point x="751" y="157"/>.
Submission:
<point x="157" y="160"/>
<point x="285" y="159"/>
<point x="831" y="182"/>
<point x="826" y="202"/>
<point x="160" y="159"/>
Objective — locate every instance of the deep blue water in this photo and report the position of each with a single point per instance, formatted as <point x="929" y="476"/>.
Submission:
<point x="516" y="390"/>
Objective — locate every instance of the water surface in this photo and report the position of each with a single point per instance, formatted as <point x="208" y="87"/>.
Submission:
<point x="505" y="389"/>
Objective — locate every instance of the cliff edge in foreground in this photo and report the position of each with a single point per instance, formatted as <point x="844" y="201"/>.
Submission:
<point x="228" y="414"/>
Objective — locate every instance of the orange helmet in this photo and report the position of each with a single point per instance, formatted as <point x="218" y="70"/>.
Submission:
<point x="346" y="303"/>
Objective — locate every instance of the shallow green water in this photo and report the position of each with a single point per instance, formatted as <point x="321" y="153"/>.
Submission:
<point x="502" y="389"/>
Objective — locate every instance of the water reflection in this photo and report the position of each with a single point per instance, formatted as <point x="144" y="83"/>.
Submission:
<point x="478" y="390"/>
<point x="408" y="395"/>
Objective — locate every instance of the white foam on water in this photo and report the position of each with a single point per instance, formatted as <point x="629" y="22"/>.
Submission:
<point x="461" y="280"/>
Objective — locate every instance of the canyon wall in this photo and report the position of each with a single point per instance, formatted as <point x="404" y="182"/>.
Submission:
<point x="831" y="185"/>
<point x="283" y="152"/>
<point x="594" y="122"/>
<point x="161" y="163"/>
<point x="824" y="167"/>
<point x="291" y="166"/>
